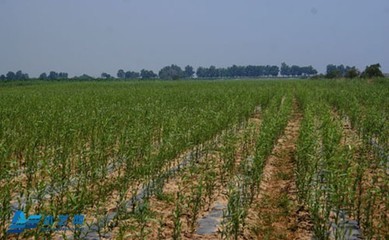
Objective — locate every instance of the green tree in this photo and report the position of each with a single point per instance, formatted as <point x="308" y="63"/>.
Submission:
<point x="131" y="75"/>
<point x="84" y="77"/>
<point x="308" y="71"/>
<point x="285" y="69"/>
<point x="188" y="72"/>
<point x="62" y="75"/>
<point x="352" y="72"/>
<point x="106" y="75"/>
<point x="274" y="70"/>
<point x="212" y="72"/>
<point x="172" y="72"/>
<point x="121" y="74"/>
<point x="19" y="75"/>
<point x="147" y="74"/>
<point x="372" y="71"/>
<point x="43" y="76"/>
<point x="342" y="70"/>
<point x="295" y="70"/>
<point x="333" y="71"/>
<point x="11" y="76"/>
<point x="53" y="75"/>
<point x="201" y="72"/>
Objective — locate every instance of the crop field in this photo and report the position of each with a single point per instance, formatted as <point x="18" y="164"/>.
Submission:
<point x="236" y="159"/>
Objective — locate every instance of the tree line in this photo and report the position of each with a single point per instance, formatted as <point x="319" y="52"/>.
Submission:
<point x="174" y="72"/>
<point x="297" y="71"/>
<point x="339" y="71"/>
<point x="10" y="76"/>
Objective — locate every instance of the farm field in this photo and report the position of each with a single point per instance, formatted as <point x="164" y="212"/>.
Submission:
<point x="237" y="159"/>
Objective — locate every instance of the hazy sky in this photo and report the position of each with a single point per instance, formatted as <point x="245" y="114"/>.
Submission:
<point x="95" y="36"/>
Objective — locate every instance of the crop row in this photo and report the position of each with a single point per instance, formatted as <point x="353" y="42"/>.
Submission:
<point x="154" y="160"/>
<point x="340" y="178"/>
<point x="81" y="147"/>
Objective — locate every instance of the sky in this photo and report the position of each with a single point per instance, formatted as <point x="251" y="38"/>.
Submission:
<point x="95" y="36"/>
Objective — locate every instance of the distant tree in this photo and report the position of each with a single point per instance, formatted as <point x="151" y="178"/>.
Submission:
<point x="3" y="77"/>
<point x="188" y="72"/>
<point x="261" y="71"/>
<point x="172" y="72"/>
<point x="295" y="70"/>
<point x="84" y="77"/>
<point x="121" y="74"/>
<point x="352" y="72"/>
<point x="372" y="71"/>
<point x="223" y="72"/>
<point x="106" y="76"/>
<point x="234" y="71"/>
<point x="53" y="75"/>
<point x="333" y="71"/>
<point x="131" y="75"/>
<point x="273" y="71"/>
<point x="330" y="69"/>
<point x="212" y="72"/>
<point x="11" y="76"/>
<point x="147" y="74"/>
<point x="341" y="69"/>
<point x="200" y="72"/>
<point x="43" y="76"/>
<point x="334" y="74"/>
<point x="19" y="75"/>
<point x="308" y="71"/>
<point x="62" y="75"/>
<point x="250" y="71"/>
<point x="312" y="71"/>
<point x="238" y="71"/>
<point x="203" y="72"/>
<point x="285" y="69"/>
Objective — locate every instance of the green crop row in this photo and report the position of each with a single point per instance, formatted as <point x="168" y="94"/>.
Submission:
<point x="343" y="181"/>
<point x="92" y="148"/>
<point x="77" y="147"/>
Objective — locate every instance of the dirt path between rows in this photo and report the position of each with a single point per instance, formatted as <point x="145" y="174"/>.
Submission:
<point x="275" y="213"/>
